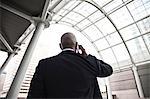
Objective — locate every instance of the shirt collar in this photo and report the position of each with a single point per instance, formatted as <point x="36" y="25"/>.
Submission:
<point x="68" y="49"/>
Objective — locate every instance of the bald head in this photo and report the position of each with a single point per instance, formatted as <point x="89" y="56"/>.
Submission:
<point x="68" y="40"/>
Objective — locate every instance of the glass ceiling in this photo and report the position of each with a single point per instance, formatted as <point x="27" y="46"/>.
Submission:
<point x="118" y="29"/>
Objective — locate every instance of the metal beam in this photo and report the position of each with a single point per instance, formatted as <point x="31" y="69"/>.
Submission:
<point x="49" y="6"/>
<point x="24" y="39"/>
<point x="6" y="43"/>
<point x="60" y="6"/>
<point x="45" y="10"/>
<point x="25" y="35"/>
<point x="54" y="5"/>
<point x="10" y="56"/>
<point x="138" y="81"/>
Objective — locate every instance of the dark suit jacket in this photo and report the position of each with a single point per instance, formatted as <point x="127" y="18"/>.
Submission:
<point x="68" y="75"/>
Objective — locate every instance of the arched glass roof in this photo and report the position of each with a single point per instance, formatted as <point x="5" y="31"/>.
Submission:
<point x="119" y="29"/>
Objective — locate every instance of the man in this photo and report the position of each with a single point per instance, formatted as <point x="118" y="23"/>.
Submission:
<point x="69" y="74"/>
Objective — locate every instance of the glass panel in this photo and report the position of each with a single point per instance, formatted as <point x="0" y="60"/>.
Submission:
<point x="145" y="1"/>
<point x="147" y="7"/>
<point x="69" y="20"/>
<point x="122" y="55"/>
<point x="65" y="23"/>
<point x="138" y="10"/>
<point x="138" y="50"/>
<point x="62" y="12"/>
<point x="85" y="9"/>
<point x="83" y="24"/>
<point x="112" y="5"/>
<point x="102" y="2"/>
<point x="121" y="17"/>
<point x="93" y="32"/>
<point x="74" y="16"/>
<point x="57" y="17"/>
<point x="72" y="4"/>
<point x="147" y="39"/>
<point x="114" y="38"/>
<point x="130" y="32"/>
<point x="105" y="26"/>
<point x="109" y="57"/>
<point x="77" y="28"/>
<point x="97" y="15"/>
<point x="102" y="44"/>
<point x="144" y="25"/>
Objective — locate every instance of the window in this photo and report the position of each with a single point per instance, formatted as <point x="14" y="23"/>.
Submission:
<point x="144" y="25"/>
<point x="122" y="55"/>
<point x="121" y="18"/>
<point x="130" y="32"/>
<point x="138" y="50"/>
<point x="109" y="57"/>
<point x="105" y="26"/>
<point x="114" y="39"/>
<point x="93" y="32"/>
<point x="102" y="44"/>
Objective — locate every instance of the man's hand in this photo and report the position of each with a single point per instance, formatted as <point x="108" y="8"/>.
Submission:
<point x="83" y="52"/>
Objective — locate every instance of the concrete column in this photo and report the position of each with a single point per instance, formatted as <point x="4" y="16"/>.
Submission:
<point x="138" y="82"/>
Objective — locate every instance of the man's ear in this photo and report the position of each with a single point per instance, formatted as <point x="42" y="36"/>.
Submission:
<point x="60" y="45"/>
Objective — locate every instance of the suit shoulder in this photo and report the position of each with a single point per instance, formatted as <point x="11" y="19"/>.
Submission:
<point x="91" y="56"/>
<point x="48" y="59"/>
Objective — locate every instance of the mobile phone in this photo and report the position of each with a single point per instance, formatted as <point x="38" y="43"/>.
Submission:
<point x="76" y="48"/>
